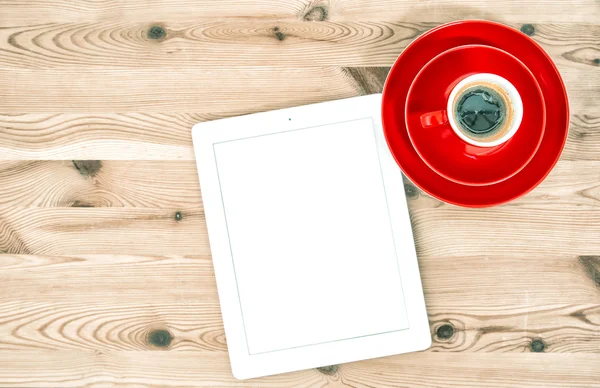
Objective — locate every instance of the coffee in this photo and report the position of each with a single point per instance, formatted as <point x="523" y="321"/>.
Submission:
<point x="482" y="111"/>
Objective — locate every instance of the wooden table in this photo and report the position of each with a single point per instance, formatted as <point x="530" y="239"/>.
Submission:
<point x="105" y="274"/>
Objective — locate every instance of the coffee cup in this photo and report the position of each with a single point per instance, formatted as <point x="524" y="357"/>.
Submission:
<point x="483" y="110"/>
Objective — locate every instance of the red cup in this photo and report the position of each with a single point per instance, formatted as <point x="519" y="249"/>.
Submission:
<point x="452" y="35"/>
<point x="437" y="138"/>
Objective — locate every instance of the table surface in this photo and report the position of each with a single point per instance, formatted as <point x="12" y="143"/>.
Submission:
<point x="105" y="273"/>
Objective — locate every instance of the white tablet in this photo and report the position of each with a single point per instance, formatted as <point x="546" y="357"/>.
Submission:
<point x="310" y="237"/>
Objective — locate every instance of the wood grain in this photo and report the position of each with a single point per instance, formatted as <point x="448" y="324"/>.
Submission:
<point x="178" y="294"/>
<point x="208" y="44"/>
<point x="149" y="136"/>
<point x="106" y="278"/>
<point x="102" y="230"/>
<point x="205" y="44"/>
<point x="114" y="184"/>
<point x="455" y="232"/>
<point x="198" y="328"/>
<point x="530" y="11"/>
<point x="179" y="369"/>
<point x="136" y="225"/>
<point x="210" y="91"/>
<point x="444" y="231"/>
<point x="114" y="280"/>
<point x="204" y="91"/>
<point x="535" y="281"/>
<point x="101" y="136"/>
<point x="142" y="184"/>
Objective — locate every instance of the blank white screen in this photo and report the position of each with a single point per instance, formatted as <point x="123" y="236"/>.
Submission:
<point x="310" y="236"/>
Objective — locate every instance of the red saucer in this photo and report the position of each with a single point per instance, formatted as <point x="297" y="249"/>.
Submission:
<point x="448" y="36"/>
<point x="441" y="148"/>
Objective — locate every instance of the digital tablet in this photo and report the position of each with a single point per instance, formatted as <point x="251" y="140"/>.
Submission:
<point x="310" y="238"/>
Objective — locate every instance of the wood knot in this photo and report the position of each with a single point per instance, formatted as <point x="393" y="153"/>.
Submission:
<point x="316" y="14"/>
<point x="328" y="370"/>
<point x="156" y="33"/>
<point x="537" y="345"/>
<point x="528" y="29"/>
<point x="445" y="332"/>
<point x="178" y="216"/>
<point x="81" y="204"/>
<point x="87" y="167"/>
<point x="591" y="264"/>
<point x="160" y="338"/>
<point x="278" y="34"/>
<point x="411" y="191"/>
<point x="597" y="61"/>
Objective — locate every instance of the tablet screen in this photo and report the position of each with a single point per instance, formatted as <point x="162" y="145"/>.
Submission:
<point x="310" y="236"/>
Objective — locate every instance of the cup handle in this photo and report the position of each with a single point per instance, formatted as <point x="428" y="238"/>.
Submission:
<point x="434" y="119"/>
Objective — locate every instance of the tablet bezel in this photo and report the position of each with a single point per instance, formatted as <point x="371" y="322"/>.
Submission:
<point x="245" y="365"/>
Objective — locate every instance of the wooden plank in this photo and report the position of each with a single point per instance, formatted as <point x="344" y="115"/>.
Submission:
<point x="111" y="281"/>
<point x="148" y="136"/>
<point x="583" y="142"/>
<point x="116" y="310"/>
<point x="178" y="369"/>
<point x="531" y="11"/>
<point x="103" y="230"/>
<point x="505" y="231"/>
<point x="211" y="43"/>
<point x="249" y="42"/>
<point x="18" y="11"/>
<point x="174" y="185"/>
<point x="192" y="327"/>
<point x="528" y="282"/>
<point x="160" y="136"/>
<point x="198" y="328"/>
<point x="207" y="91"/>
<point x="443" y="231"/>
<point x="146" y="184"/>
